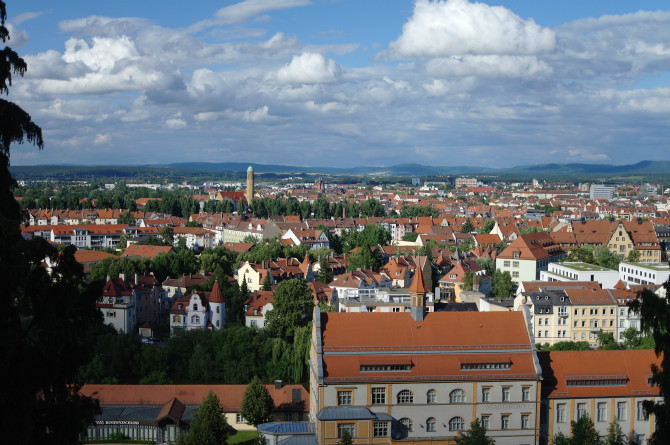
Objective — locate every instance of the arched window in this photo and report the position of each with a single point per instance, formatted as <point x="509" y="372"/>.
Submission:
<point x="195" y="306"/>
<point x="406" y="425"/>
<point x="218" y="309"/>
<point x="431" y="396"/>
<point x="195" y="319"/>
<point x="457" y="396"/>
<point x="431" y="424"/>
<point x="405" y="396"/>
<point x="456" y="424"/>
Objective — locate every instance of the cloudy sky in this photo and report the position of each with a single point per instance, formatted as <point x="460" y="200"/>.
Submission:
<point x="344" y="82"/>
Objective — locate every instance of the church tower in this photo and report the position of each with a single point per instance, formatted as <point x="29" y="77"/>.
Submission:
<point x="417" y="293"/>
<point x="250" y="185"/>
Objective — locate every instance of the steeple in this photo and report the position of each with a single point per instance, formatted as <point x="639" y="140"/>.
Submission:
<point x="417" y="293"/>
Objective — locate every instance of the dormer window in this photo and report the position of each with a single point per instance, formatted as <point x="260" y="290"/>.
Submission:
<point x="516" y="254"/>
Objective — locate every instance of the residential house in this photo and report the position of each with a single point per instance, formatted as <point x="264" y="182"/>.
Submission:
<point x="549" y="312"/>
<point x="593" y="311"/>
<point x="528" y="255"/>
<point x="577" y="271"/>
<point x="256" y="308"/>
<point x="199" y="311"/>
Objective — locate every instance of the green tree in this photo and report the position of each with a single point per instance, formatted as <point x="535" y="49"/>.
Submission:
<point x="582" y="254"/>
<point x="476" y="435"/>
<point x="372" y="207"/>
<point x="654" y="314"/>
<point x="410" y="236"/>
<point x="467" y="226"/>
<point x="257" y="404"/>
<point x="366" y="258"/>
<point x="345" y="439"/>
<point x="614" y="434"/>
<point x="325" y="274"/>
<point x="604" y="257"/>
<point x="293" y="308"/>
<point x="583" y="432"/>
<point x="209" y="426"/>
<point x="44" y="318"/>
<point x="468" y="281"/>
<point x="633" y="256"/>
<point x="267" y="282"/>
<point x="606" y="341"/>
<point x="502" y="284"/>
<point x="570" y="346"/>
<point x="487" y="227"/>
<point x="127" y="218"/>
<point x="167" y="235"/>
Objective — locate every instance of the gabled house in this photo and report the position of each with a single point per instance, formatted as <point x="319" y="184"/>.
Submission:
<point x="529" y="254"/>
<point x="199" y="311"/>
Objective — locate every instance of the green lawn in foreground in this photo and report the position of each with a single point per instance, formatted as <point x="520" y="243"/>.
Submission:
<point x="243" y="438"/>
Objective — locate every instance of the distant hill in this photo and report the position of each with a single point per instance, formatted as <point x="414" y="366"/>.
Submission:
<point x="238" y="169"/>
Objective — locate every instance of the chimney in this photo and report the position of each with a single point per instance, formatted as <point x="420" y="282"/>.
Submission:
<point x="137" y="279"/>
<point x="279" y="384"/>
<point x="122" y="276"/>
<point x="108" y="278"/>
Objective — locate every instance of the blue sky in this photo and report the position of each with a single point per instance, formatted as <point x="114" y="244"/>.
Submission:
<point x="344" y="83"/>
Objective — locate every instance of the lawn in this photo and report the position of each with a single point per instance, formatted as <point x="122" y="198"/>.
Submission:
<point x="243" y="438"/>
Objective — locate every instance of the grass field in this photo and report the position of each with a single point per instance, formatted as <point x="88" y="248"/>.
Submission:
<point x="243" y="438"/>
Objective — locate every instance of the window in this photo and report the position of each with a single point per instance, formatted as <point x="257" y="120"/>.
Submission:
<point x="342" y="427"/>
<point x="525" y="393"/>
<point x="601" y="415"/>
<point x="405" y="396"/>
<point x="516" y="254"/>
<point x="504" y="421"/>
<point x="621" y="411"/>
<point x="457" y="396"/>
<point x="515" y="274"/>
<point x="506" y="263"/>
<point x="581" y="410"/>
<point x="539" y="322"/>
<point x="641" y="415"/>
<point x="560" y="413"/>
<point x="562" y="311"/>
<point x="456" y="424"/>
<point x="218" y="309"/>
<point x="380" y="429"/>
<point x="486" y="421"/>
<point x="431" y="396"/>
<point x="344" y="397"/>
<point x="431" y="425"/>
<point x="253" y="323"/>
<point x="486" y="394"/>
<point x="239" y="418"/>
<point x="525" y="421"/>
<point x="195" y="306"/>
<point x="195" y="319"/>
<point x="515" y="264"/>
<point x="505" y="394"/>
<point x="406" y="425"/>
<point x="378" y="396"/>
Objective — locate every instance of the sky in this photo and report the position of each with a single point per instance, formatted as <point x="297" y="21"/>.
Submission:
<point x="344" y="83"/>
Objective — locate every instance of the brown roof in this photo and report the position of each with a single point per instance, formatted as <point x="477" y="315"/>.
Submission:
<point x="91" y="256"/>
<point x="631" y="366"/>
<point x="230" y="395"/>
<point x="215" y="296"/>
<point x="144" y="251"/>
<point x="418" y="285"/>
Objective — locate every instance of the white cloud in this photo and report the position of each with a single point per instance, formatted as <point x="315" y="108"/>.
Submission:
<point x="101" y="139"/>
<point x="18" y="37"/>
<point x="309" y="68"/>
<point x="488" y="66"/>
<point x="247" y="9"/>
<point x="458" y="27"/>
<point x="175" y="123"/>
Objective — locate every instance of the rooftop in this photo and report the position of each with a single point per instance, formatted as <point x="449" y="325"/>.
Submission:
<point x="584" y="267"/>
<point x="657" y="267"/>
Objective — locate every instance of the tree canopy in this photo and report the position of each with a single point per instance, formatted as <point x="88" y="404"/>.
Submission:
<point x="476" y="435"/>
<point x="44" y="317"/>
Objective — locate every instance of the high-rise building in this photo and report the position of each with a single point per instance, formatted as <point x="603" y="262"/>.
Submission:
<point x="600" y="191"/>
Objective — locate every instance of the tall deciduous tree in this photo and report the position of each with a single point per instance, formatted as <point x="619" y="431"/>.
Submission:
<point x="44" y="317"/>
<point x="502" y="284"/>
<point x="293" y="308"/>
<point x="257" y="404"/>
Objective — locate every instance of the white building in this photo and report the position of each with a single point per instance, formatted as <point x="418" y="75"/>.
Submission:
<point x="196" y="311"/>
<point x="577" y="271"/>
<point x="644" y="273"/>
<point x="599" y="191"/>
